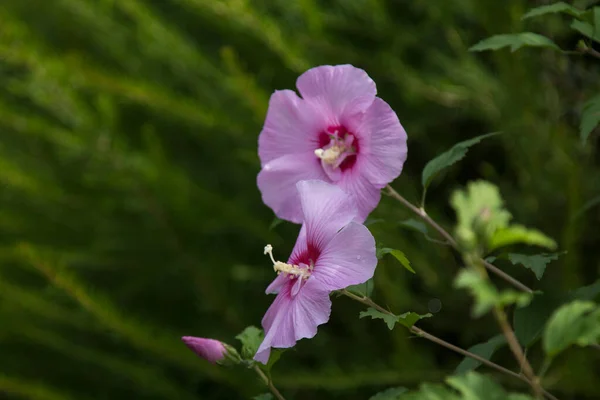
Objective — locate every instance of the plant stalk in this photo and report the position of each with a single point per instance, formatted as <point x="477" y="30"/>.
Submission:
<point x="421" y="333"/>
<point x="268" y="382"/>
<point x="425" y="217"/>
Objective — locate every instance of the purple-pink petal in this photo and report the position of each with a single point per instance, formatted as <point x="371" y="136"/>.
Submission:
<point x="348" y="259"/>
<point x="326" y="209"/>
<point x="341" y="89"/>
<point x="277" y="183"/>
<point x="365" y="194"/>
<point x="383" y="144"/>
<point x="291" y="318"/>
<point x="209" y="349"/>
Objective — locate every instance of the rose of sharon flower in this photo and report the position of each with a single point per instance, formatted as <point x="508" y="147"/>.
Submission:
<point x="338" y="132"/>
<point x="332" y="252"/>
<point x="212" y="350"/>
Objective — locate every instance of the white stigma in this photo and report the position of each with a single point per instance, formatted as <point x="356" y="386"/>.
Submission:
<point x="293" y="271"/>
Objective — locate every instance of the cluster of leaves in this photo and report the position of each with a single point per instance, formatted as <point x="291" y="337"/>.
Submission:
<point x="584" y="22"/>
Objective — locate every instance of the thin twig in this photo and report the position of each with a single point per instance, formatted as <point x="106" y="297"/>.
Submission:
<point x="516" y="349"/>
<point x="592" y="52"/>
<point x="269" y="383"/>
<point x="421" y="213"/>
<point x="421" y="333"/>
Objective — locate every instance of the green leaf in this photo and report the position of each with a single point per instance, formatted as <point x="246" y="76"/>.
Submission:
<point x="587" y="29"/>
<point x="590" y="117"/>
<point x="390" y="320"/>
<point x="485" y="294"/>
<point x="273" y="358"/>
<point x="251" y="338"/>
<point x="560" y="7"/>
<point x="363" y="289"/>
<point x="415" y="225"/>
<point x="264" y="396"/>
<point x="528" y="322"/>
<point x="400" y="256"/>
<point x="537" y="263"/>
<point x="428" y="391"/>
<point x="485" y="350"/>
<point x="408" y="319"/>
<point x="515" y="234"/>
<point x="480" y="212"/>
<point x="275" y="223"/>
<point x="515" y="41"/>
<point x="446" y="159"/>
<point x="589" y="292"/>
<point x="389" y="394"/>
<point x="577" y="323"/>
<point x="474" y="386"/>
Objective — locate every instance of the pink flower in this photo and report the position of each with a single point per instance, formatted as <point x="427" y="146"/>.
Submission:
<point x="338" y="132"/>
<point x="332" y="252"/>
<point x="209" y="349"/>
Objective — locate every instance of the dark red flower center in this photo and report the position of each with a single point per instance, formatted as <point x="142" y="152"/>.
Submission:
<point x="338" y="149"/>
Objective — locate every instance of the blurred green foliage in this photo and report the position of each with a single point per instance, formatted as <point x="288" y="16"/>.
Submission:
<point x="129" y="213"/>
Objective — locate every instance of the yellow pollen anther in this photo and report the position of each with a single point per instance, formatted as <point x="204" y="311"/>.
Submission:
<point x="330" y="155"/>
<point x="292" y="270"/>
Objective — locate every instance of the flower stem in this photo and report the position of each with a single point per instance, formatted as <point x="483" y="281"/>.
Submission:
<point x="516" y="349"/>
<point x="425" y="217"/>
<point x="421" y="333"/>
<point x="268" y="382"/>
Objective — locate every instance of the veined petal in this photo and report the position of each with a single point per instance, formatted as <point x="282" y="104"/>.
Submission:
<point x="277" y="183"/>
<point x="342" y="89"/>
<point x="277" y="284"/>
<point x="383" y="144"/>
<point x="290" y="319"/>
<point x="291" y="126"/>
<point x="366" y="195"/>
<point x="348" y="259"/>
<point x="326" y="209"/>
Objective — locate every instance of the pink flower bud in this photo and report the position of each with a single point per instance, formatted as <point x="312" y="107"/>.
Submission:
<point x="209" y="349"/>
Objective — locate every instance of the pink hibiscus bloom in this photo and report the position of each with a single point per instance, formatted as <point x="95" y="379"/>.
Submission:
<point x="209" y="349"/>
<point x="338" y="132"/>
<point x="332" y="252"/>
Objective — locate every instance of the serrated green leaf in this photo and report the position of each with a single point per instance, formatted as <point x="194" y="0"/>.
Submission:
<point x="587" y="29"/>
<point x="515" y="41"/>
<point x="485" y="294"/>
<point x="389" y="394"/>
<point x="363" y="289"/>
<point x="480" y="212"/>
<point x="398" y="255"/>
<point x="485" y="350"/>
<point x="590" y="117"/>
<point x="428" y="391"/>
<point x="560" y="7"/>
<point x="408" y="319"/>
<point x="390" y="320"/>
<point x="251" y="338"/>
<point x="446" y="159"/>
<point x="415" y="225"/>
<point x="537" y="263"/>
<point x="516" y="234"/>
<point x="577" y="323"/>
<point x="264" y="396"/>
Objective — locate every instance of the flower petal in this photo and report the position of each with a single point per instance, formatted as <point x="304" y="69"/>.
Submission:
<point x="277" y="183"/>
<point x="326" y="209"/>
<point x="291" y="126"/>
<point x="277" y="284"/>
<point x="349" y="259"/>
<point x="290" y="319"/>
<point x="383" y="144"/>
<point x="366" y="195"/>
<point x="341" y="89"/>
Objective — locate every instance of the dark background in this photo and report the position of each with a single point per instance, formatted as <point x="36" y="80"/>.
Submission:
<point x="129" y="213"/>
